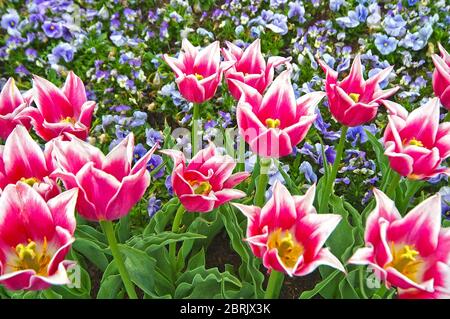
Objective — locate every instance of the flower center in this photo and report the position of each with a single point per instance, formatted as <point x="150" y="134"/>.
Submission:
<point x="354" y="97"/>
<point x="28" y="257"/>
<point x="52" y="27"/>
<point x="288" y="248"/>
<point x="201" y="188"/>
<point x="198" y="76"/>
<point x="273" y="123"/>
<point x="68" y="119"/>
<point x="415" y="142"/>
<point x="406" y="260"/>
<point x="12" y="24"/>
<point x="30" y="181"/>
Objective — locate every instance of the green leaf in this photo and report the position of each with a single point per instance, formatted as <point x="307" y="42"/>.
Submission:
<point x="162" y="239"/>
<point x="92" y="251"/>
<point x="320" y="286"/>
<point x="249" y="269"/>
<point x="141" y="268"/>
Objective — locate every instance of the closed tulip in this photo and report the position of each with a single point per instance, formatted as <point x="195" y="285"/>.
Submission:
<point x="109" y="186"/>
<point x="441" y="76"/>
<point x="11" y="103"/>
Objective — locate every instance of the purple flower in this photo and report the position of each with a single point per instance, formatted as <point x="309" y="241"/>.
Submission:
<point x="120" y="108"/>
<point x="210" y="124"/>
<point x="278" y="24"/>
<point x="139" y="119"/>
<point x="296" y="9"/>
<point x="153" y="137"/>
<point x="168" y="184"/>
<point x="31" y="54"/>
<point x="53" y="29"/>
<point x="154" y="163"/>
<point x="394" y="25"/>
<point x="335" y="5"/>
<point x="358" y="133"/>
<point x="226" y="118"/>
<point x="153" y="206"/>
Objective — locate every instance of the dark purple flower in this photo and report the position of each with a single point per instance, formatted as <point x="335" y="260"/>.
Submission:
<point x="153" y="206"/>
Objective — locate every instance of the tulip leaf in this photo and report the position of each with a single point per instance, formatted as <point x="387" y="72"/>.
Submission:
<point x="162" y="239"/>
<point x="160" y="220"/>
<point x="141" y="268"/>
<point x="249" y="270"/>
<point x="320" y="286"/>
<point x="92" y="251"/>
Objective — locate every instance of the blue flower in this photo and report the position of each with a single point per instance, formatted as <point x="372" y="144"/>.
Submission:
<point x="335" y="5"/>
<point x="61" y="51"/>
<point x="394" y="25"/>
<point x="306" y="169"/>
<point x="168" y="184"/>
<point x="296" y="9"/>
<point x="154" y="163"/>
<point x="374" y="72"/>
<point x="359" y="133"/>
<point x="278" y="24"/>
<point x="361" y="12"/>
<point x="385" y="44"/>
<point x="139" y="119"/>
<point x="153" y="206"/>
<point x="445" y="201"/>
<point x="53" y="29"/>
<point x="10" y="21"/>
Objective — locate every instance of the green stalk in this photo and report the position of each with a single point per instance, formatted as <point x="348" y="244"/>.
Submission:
<point x="330" y="179"/>
<point x="395" y="181"/>
<point x="175" y="228"/>
<point x="274" y="286"/>
<point x="263" y="179"/>
<point x="195" y="126"/>
<point x="108" y="230"/>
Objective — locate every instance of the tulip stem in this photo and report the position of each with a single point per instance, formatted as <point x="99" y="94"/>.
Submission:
<point x="108" y="230"/>
<point x="328" y="190"/>
<point x="447" y="117"/>
<point x="263" y="179"/>
<point x="274" y="286"/>
<point x="195" y="127"/>
<point x="175" y="228"/>
<point x="393" y="185"/>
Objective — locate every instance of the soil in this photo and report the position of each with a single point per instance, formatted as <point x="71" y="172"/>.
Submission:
<point x="221" y="253"/>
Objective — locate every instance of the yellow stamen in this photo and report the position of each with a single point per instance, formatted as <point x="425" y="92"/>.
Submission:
<point x="415" y="142"/>
<point x="68" y="119"/>
<point x="354" y="97"/>
<point x="288" y="248"/>
<point x="201" y="188"/>
<point x="273" y="123"/>
<point x="28" y="257"/>
<point x="30" y="181"/>
<point x="198" y="76"/>
<point x="406" y="260"/>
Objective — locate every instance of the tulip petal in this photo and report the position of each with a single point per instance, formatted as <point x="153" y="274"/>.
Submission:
<point x="10" y="97"/>
<point x="75" y="92"/>
<point x="118" y="161"/>
<point x="62" y="208"/>
<point x="279" y="211"/>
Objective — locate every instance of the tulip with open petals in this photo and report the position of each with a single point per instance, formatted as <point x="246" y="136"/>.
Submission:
<point x="275" y="123"/>
<point x="207" y="181"/>
<point x="441" y="76"/>
<point x="410" y="253"/>
<point x="59" y="111"/>
<point x="250" y="67"/>
<point x="355" y="101"/>
<point x="416" y="144"/>
<point x="11" y="103"/>
<point x="22" y="159"/>
<point x="109" y="185"/>
<point x="288" y="234"/>
<point x="198" y="73"/>
<point x="35" y="236"/>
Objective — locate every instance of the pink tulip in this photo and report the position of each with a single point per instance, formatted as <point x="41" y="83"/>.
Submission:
<point x="275" y="123"/>
<point x="288" y="234"/>
<point x="441" y="76"/>
<point x="354" y="101"/>
<point x="415" y="143"/>
<point x="410" y="253"/>
<point x="11" y="104"/>
<point x="207" y="181"/>
<point x="198" y="73"/>
<point x="35" y="236"/>
<point x="109" y="186"/>
<point x="59" y="111"/>
<point x="250" y="67"/>
<point x="22" y="159"/>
